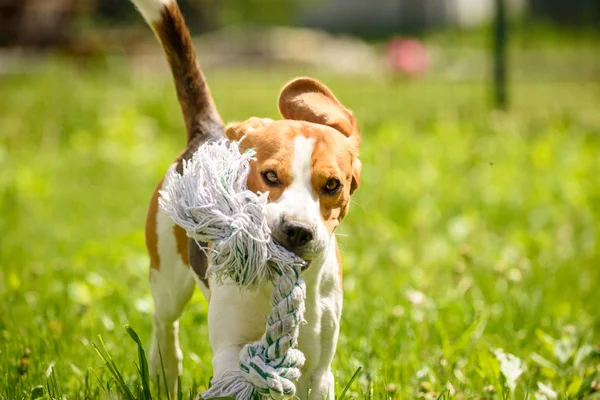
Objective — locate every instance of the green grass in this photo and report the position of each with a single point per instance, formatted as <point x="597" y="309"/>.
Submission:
<point x="472" y="231"/>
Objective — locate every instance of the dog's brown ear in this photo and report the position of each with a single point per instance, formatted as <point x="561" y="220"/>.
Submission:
<point x="356" y="170"/>
<point x="306" y="99"/>
<point x="237" y="130"/>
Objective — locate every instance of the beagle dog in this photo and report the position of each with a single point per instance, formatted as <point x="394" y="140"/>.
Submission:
<point x="308" y="163"/>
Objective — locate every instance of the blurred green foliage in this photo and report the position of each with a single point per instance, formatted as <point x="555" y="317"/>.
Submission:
<point x="472" y="231"/>
<point x="259" y="12"/>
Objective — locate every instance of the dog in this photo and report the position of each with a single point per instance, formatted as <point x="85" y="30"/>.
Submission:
<point x="308" y="163"/>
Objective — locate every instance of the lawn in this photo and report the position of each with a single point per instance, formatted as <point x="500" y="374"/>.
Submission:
<point x="474" y="234"/>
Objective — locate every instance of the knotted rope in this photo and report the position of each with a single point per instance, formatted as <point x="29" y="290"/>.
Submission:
<point x="211" y="201"/>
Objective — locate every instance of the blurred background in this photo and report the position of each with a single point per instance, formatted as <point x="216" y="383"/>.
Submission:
<point x="475" y="227"/>
<point x="344" y="36"/>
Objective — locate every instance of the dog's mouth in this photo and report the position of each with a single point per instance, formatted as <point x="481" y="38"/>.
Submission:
<point x="306" y="265"/>
<point x="307" y="262"/>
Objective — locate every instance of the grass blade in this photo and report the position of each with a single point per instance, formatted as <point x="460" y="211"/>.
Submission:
<point x="350" y="383"/>
<point x="112" y="368"/>
<point x="143" y="363"/>
<point x="162" y="368"/>
<point x="179" y="390"/>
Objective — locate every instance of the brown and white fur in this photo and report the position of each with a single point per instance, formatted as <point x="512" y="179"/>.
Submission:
<point x="308" y="163"/>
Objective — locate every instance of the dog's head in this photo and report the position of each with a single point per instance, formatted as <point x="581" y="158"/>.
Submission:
<point x="307" y="162"/>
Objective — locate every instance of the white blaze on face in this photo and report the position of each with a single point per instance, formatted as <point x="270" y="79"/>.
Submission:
<point x="298" y="203"/>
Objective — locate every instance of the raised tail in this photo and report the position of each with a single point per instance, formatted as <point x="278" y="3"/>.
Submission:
<point x="199" y="111"/>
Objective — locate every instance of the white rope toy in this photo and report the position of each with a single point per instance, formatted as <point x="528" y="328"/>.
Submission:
<point x="211" y="201"/>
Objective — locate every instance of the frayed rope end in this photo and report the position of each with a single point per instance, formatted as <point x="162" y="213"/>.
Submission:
<point x="231" y="385"/>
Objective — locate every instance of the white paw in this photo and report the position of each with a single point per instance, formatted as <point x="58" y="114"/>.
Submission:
<point x="322" y="386"/>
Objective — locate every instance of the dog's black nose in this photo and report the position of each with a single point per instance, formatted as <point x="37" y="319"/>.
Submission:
<point x="296" y="235"/>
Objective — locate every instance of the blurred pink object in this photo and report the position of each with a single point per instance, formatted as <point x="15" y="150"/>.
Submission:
<point x="407" y="56"/>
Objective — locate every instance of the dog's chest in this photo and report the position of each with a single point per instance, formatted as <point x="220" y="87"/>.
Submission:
<point x="250" y="308"/>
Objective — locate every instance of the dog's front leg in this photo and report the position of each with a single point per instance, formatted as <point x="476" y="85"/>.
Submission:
<point x="318" y="340"/>
<point x="322" y="382"/>
<point x="236" y="317"/>
<point x="319" y="384"/>
<point x="322" y="385"/>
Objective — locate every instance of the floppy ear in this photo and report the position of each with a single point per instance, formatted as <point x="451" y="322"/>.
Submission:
<point x="237" y="130"/>
<point x="356" y="170"/>
<point x="306" y="99"/>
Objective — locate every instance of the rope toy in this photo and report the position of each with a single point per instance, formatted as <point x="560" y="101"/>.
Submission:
<point x="211" y="201"/>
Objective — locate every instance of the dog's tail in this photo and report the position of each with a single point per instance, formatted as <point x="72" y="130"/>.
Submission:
<point x="199" y="111"/>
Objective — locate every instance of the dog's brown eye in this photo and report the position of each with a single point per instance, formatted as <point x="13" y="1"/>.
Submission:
<point x="332" y="186"/>
<point x="270" y="178"/>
